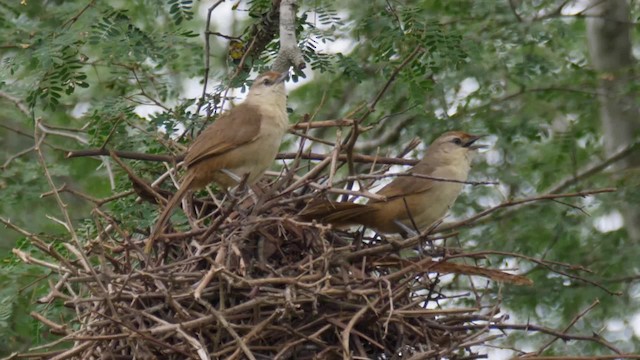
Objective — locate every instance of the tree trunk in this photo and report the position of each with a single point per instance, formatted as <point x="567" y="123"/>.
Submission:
<point x="609" y="37"/>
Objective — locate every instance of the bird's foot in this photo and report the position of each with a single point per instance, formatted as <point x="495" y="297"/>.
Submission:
<point x="405" y="231"/>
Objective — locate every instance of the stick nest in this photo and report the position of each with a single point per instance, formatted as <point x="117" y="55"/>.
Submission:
<point x="248" y="280"/>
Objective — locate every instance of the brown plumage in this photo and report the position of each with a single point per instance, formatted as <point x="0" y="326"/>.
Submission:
<point x="243" y="140"/>
<point x="409" y="200"/>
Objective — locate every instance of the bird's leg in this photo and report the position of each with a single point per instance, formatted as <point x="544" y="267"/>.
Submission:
<point x="242" y="182"/>
<point x="257" y="191"/>
<point x="232" y="175"/>
<point x="189" y="211"/>
<point x="405" y="231"/>
<point x="413" y="232"/>
<point x="430" y="230"/>
<point x="393" y="240"/>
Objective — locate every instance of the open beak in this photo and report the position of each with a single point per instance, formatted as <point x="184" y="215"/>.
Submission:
<point x="473" y="139"/>
<point x="283" y="76"/>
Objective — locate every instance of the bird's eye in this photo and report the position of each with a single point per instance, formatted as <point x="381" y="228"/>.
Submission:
<point x="267" y="82"/>
<point x="457" y="141"/>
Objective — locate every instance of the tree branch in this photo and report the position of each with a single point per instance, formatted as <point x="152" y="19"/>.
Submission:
<point x="511" y="203"/>
<point x="289" y="54"/>
<point x="132" y="155"/>
<point x="592" y="169"/>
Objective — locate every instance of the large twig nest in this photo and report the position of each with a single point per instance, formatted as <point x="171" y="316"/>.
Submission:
<point x="248" y="279"/>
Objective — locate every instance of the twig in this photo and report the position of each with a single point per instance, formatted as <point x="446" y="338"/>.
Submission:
<point x="17" y="102"/>
<point x="511" y="203"/>
<point x="592" y="169"/>
<point x="421" y="176"/>
<point x="75" y="17"/>
<point x="15" y="156"/>
<point x="207" y="55"/>
<point x="569" y="326"/>
<point x="283" y="156"/>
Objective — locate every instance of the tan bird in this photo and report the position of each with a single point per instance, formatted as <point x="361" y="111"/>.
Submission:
<point x="409" y="200"/>
<point x="244" y="140"/>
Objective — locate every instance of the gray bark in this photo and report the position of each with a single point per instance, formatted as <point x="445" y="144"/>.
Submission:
<point x="609" y="35"/>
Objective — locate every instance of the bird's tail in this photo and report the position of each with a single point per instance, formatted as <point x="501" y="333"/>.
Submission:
<point x="166" y="213"/>
<point x="338" y="213"/>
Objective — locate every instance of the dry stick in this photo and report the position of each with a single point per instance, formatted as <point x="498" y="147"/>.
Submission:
<point x="222" y="216"/>
<point x="492" y="313"/>
<point x="18" y="103"/>
<point x="350" y="143"/>
<point x="312" y="138"/>
<point x="249" y="50"/>
<point x="96" y="201"/>
<point x="255" y="331"/>
<point x="570" y="325"/>
<point x="334" y="159"/>
<point x="524" y="327"/>
<point x="142" y="334"/>
<point x="55" y="291"/>
<point x="225" y="324"/>
<point x="304" y="180"/>
<point x="200" y="349"/>
<point x="15" y="156"/>
<point x="207" y="56"/>
<point x="282" y="156"/>
<point x="286" y="179"/>
<point x="544" y="263"/>
<point x="304" y="126"/>
<point x="73" y="351"/>
<point x="72" y="134"/>
<point x="347" y="331"/>
<point x="511" y="203"/>
<point x="197" y="294"/>
<point x="112" y="131"/>
<point x="342" y="325"/>
<point x="421" y="176"/>
<point x="309" y="175"/>
<point x="351" y="138"/>
<point x="386" y="248"/>
<point x="522" y="91"/>
<point x="387" y="85"/>
<point x="75" y="17"/>
<point x="132" y="155"/>
<point x="136" y="179"/>
<point x="312" y="337"/>
<point x="587" y="172"/>
<point x="322" y="123"/>
<point x="61" y="329"/>
<point x="593" y="169"/>
<point x="410" y="146"/>
<point x="67" y="218"/>
<point x="40" y="244"/>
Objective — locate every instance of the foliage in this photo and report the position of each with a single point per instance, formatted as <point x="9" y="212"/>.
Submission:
<point x="93" y="70"/>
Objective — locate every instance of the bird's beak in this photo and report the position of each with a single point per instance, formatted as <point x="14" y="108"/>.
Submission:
<point x="473" y="139"/>
<point x="283" y="76"/>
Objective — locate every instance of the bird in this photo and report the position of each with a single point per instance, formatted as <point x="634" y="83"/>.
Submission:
<point x="243" y="141"/>
<point x="412" y="203"/>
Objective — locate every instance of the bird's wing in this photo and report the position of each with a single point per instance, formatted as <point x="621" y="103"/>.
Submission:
<point x="241" y="125"/>
<point x="408" y="185"/>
